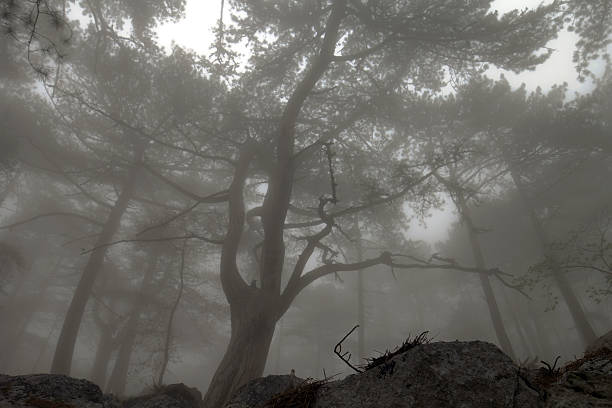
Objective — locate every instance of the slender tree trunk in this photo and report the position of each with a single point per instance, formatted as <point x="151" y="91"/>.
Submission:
<point x="12" y="337"/>
<point x="494" y="313"/>
<point x="118" y="378"/>
<point x="279" y="348"/>
<point x="542" y="334"/>
<point x="585" y="330"/>
<point x="103" y="355"/>
<point x="245" y="357"/>
<point x="519" y="325"/>
<point x="64" y="351"/>
<point x="360" y="297"/>
<point x="168" y="342"/>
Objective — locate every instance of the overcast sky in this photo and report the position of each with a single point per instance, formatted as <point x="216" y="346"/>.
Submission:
<point x="195" y="32"/>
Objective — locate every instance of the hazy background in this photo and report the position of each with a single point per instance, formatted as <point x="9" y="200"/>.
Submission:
<point x="75" y="152"/>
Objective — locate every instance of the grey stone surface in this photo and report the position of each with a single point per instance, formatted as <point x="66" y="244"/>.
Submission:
<point x="588" y="386"/>
<point x="456" y="374"/>
<point x="601" y="342"/>
<point x="257" y="392"/>
<point x="51" y="391"/>
<point x="169" y="396"/>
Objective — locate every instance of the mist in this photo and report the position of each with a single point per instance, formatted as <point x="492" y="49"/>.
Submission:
<point x="212" y="192"/>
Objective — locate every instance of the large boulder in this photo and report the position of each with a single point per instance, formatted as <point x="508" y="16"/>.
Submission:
<point x="584" y="383"/>
<point x="258" y="392"/>
<point x="604" y="341"/>
<point x="51" y="391"/>
<point x="456" y="374"/>
<point x="59" y="391"/>
<point x="167" y="396"/>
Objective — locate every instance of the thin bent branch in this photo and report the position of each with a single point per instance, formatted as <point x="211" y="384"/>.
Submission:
<point x="160" y="239"/>
<point x="52" y="214"/>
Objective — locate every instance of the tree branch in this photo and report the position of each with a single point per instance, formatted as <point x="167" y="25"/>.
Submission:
<point x="358" y="208"/>
<point x="233" y="285"/>
<point x="389" y="259"/>
<point x="52" y="214"/>
<point x="160" y="239"/>
<point x="218" y="197"/>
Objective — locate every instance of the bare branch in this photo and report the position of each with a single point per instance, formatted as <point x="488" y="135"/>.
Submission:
<point x="52" y="214"/>
<point x="161" y="239"/>
<point x="169" y="220"/>
<point x="343" y="356"/>
<point x="355" y="209"/>
<point x="214" y="198"/>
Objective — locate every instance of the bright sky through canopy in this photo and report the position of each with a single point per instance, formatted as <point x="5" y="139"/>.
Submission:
<point x="195" y="32"/>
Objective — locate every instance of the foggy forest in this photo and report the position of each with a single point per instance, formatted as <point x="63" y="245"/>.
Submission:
<point x="214" y="213"/>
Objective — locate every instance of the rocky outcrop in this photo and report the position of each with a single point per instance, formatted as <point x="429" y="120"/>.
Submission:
<point x="259" y="391"/>
<point x="604" y="342"/>
<point x="456" y="374"/>
<point x="51" y="391"/>
<point x="59" y="391"/>
<point x="168" y="396"/>
<point x="584" y="383"/>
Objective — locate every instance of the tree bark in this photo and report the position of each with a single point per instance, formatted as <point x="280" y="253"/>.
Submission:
<point x="103" y="355"/>
<point x="494" y="313"/>
<point x="360" y="298"/>
<point x="118" y="378"/>
<point x="168" y="342"/>
<point x="493" y="307"/>
<point x="585" y="330"/>
<point x="64" y="351"/>
<point x="244" y="359"/>
<point x="255" y="311"/>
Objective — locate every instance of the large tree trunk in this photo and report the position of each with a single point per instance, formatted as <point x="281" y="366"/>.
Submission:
<point x="583" y="326"/>
<point x="62" y="359"/>
<point x="255" y="311"/>
<point x="245" y="357"/>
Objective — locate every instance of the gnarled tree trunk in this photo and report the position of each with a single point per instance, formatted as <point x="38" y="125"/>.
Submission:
<point x="245" y="357"/>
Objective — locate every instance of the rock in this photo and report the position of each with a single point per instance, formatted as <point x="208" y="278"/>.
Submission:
<point x="51" y="391"/>
<point x="456" y="374"/>
<point x="584" y="383"/>
<point x="167" y="396"/>
<point x="604" y="341"/>
<point x="257" y="392"/>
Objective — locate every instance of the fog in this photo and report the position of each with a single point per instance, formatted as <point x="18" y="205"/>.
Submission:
<point x="189" y="199"/>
